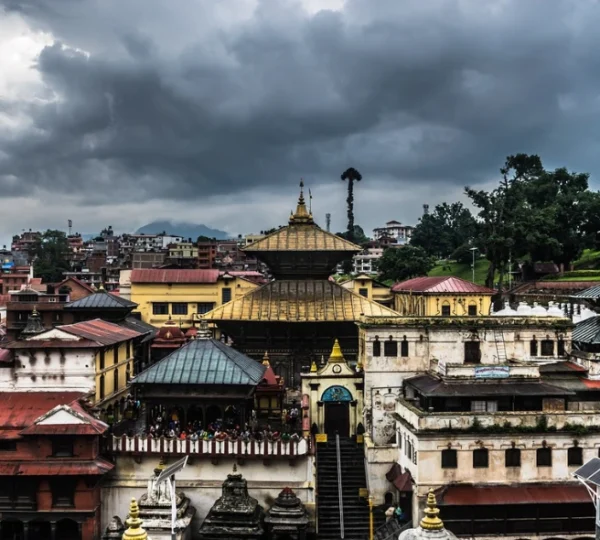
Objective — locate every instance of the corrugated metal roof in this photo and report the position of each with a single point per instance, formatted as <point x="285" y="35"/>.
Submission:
<point x="205" y="362"/>
<point x="593" y="293"/>
<point x="302" y="237"/>
<point x="155" y="275"/>
<point x="299" y="301"/>
<point x="587" y="331"/>
<point x="432" y="387"/>
<point x="521" y="494"/>
<point x="52" y="344"/>
<point x="139" y="326"/>
<point x="101" y="300"/>
<point x="561" y="367"/>
<point x="442" y="284"/>
<point x="103" y="332"/>
<point x="21" y="409"/>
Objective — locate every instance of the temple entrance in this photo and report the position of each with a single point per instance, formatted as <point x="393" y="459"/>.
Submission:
<point x="67" y="529"/>
<point x="337" y="410"/>
<point x="337" y="419"/>
<point x="12" y="530"/>
<point x="39" y="530"/>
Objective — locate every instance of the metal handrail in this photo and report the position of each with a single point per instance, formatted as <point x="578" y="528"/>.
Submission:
<point x="340" y="493"/>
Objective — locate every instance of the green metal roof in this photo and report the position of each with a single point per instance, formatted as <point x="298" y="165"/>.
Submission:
<point x="205" y="362"/>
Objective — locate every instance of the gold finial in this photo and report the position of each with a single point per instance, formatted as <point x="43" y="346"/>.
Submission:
<point x="265" y="360"/>
<point x="134" y="524"/>
<point x="302" y="215"/>
<point x="431" y="521"/>
<point x="336" y="356"/>
<point x="313" y="367"/>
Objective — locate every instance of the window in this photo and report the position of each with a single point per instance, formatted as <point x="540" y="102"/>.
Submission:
<point x="574" y="456"/>
<point x="484" y="406"/>
<point x="533" y="347"/>
<point x="547" y="347"/>
<point x="63" y="492"/>
<point x="560" y="348"/>
<point x="225" y="295"/>
<point x="390" y="347"/>
<point x="449" y="459"/>
<point x="404" y="347"/>
<point x="62" y="447"/>
<point x="179" y="308"/>
<point x="8" y="446"/>
<point x="160" y="308"/>
<point x="445" y="310"/>
<point x="128" y="346"/>
<point x="364" y="292"/>
<point x="115" y="355"/>
<point x="101" y="389"/>
<point x="481" y="458"/>
<point x="544" y="457"/>
<point x="57" y="317"/>
<point x="512" y="457"/>
<point x="205" y="307"/>
<point x="101" y="359"/>
<point x="472" y="352"/>
<point x="115" y="379"/>
<point x="127" y="374"/>
<point x="377" y="347"/>
<point x="472" y="310"/>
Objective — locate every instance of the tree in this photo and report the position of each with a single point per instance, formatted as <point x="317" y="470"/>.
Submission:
<point x="51" y="256"/>
<point x="351" y="175"/>
<point x="359" y="236"/>
<point x="462" y="254"/>
<point x="443" y="231"/>
<point x="402" y="263"/>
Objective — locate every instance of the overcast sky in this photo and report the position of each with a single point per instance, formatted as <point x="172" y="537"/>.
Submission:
<point x="121" y="112"/>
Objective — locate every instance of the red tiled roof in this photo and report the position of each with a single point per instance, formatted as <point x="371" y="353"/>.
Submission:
<point x="20" y="409"/>
<point x="57" y="468"/>
<point x="442" y="284"/>
<point x="589" y="383"/>
<point x="156" y="275"/>
<point x="52" y="344"/>
<point x="522" y="494"/>
<point x="92" y="426"/>
<point x="103" y="332"/>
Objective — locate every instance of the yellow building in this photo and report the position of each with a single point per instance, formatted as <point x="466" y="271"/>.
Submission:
<point x="183" y="250"/>
<point x="184" y="295"/>
<point x="371" y="289"/>
<point x="446" y="296"/>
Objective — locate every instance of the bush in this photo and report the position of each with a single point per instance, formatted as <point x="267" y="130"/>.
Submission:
<point x="583" y="274"/>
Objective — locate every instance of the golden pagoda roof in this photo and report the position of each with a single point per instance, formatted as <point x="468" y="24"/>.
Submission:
<point x="299" y="301"/>
<point x="302" y="234"/>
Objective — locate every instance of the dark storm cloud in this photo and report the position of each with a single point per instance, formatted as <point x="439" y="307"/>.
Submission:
<point x="435" y="92"/>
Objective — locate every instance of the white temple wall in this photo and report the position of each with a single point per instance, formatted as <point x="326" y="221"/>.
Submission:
<point x="202" y="480"/>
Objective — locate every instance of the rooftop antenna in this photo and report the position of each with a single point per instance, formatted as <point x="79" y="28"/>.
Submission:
<point x="425" y="209"/>
<point x="70" y="223"/>
<point x="328" y="221"/>
<point x="309" y="202"/>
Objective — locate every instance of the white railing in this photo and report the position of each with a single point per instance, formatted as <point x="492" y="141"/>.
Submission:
<point x="212" y="448"/>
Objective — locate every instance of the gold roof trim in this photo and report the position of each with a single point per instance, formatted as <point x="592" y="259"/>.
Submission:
<point x="300" y="301"/>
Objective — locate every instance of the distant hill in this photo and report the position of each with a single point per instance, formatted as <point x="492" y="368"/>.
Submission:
<point x="187" y="230"/>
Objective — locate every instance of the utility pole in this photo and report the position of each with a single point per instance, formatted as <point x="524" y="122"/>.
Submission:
<point x="328" y="221"/>
<point x="473" y="250"/>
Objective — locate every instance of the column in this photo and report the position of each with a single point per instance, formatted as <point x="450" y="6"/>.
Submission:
<point x="52" y="530"/>
<point x="320" y="419"/>
<point x="354" y="418"/>
<point x="26" y="530"/>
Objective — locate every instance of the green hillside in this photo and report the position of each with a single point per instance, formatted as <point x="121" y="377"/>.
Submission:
<point x="462" y="270"/>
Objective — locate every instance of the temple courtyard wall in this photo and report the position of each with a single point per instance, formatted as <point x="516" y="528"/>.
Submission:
<point x="202" y="479"/>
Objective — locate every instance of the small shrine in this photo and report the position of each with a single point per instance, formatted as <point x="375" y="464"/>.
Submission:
<point x="431" y="526"/>
<point x="270" y="393"/>
<point x="114" y="530"/>
<point x="168" y="339"/>
<point x="34" y="325"/>
<point x="134" y="531"/>
<point x="287" y="518"/>
<point x="235" y="515"/>
<point x="155" y="510"/>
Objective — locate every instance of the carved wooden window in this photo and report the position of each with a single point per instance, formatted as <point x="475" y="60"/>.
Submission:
<point x="481" y="458"/>
<point x="575" y="456"/>
<point x="377" y="347"/>
<point x="404" y="347"/>
<point x="533" y="347"/>
<point x="544" y="457"/>
<point x="547" y="347"/>
<point x="472" y="352"/>
<point x="449" y="459"/>
<point x="390" y="347"/>
<point x="512" y="457"/>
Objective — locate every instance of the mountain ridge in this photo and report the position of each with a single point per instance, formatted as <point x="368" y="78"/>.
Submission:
<point x="182" y="228"/>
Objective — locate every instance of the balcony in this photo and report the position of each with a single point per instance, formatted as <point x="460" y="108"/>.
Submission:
<point x="210" y="449"/>
<point x="529" y="421"/>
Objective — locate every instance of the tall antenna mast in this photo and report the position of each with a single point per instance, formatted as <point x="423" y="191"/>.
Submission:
<point x="425" y="209"/>
<point x="328" y="221"/>
<point x="70" y="223"/>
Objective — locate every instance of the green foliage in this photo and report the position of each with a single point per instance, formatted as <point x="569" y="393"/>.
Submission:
<point x="403" y="263"/>
<point x="51" y="256"/>
<point x="351" y="175"/>
<point x="464" y="271"/>
<point x="463" y="255"/>
<point x="358" y="237"/>
<point x="443" y="231"/>
<point x="583" y="275"/>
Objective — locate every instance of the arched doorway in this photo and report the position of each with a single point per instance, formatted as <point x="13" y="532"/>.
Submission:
<point x="39" y="530"/>
<point x="67" y="529"/>
<point x="336" y="400"/>
<point x="12" y="530"/>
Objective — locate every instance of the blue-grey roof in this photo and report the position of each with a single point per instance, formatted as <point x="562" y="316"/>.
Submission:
<point x="587" y="331"/>
<point x="204" y="361"/>
<point x="139" y="326"/>
<point x="101" y="300"/>
<point x="593" y="293"/>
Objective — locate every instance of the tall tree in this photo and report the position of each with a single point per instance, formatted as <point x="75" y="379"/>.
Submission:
<point x="51" y="256"/>
<point x="351" y="175"/>
<point x="398" y="264"/>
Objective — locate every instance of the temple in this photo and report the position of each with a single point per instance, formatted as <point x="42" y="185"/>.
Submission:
<point x="294" y="316"/>
<point x="235" y="515"/>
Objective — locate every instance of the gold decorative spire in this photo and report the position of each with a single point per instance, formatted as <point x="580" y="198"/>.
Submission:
<point x="134" y="524"/>
<point x="313" y="367"/>
<point x="431" y="521"/>
<point x="265" y="360"/>
<point x="336" y="356"/>
<point x="302" y="215"/>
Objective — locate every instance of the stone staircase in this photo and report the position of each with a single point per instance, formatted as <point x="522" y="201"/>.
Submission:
<point x="356" y="510"/>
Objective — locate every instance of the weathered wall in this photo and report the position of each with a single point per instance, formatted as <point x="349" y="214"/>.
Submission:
<point x="201" y="481"/>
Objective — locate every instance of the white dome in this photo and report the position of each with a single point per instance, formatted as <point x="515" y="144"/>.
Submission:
<point x="523" y="309"/>
<point x="539" y="311"/>
<point x="506" y="311"/>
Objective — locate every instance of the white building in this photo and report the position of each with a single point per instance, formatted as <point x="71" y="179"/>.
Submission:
<point x="366" y="261"/>
<point x="394" y="229"/>
<point x="470" y="408"/>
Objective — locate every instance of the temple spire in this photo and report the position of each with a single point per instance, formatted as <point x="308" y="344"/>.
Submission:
<point x="431" y="521"/>
<point x="336" y="356"/>
<point x="134" y="524"/>
<point x="265" y="360"/>
<point x="302" y="215"/>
